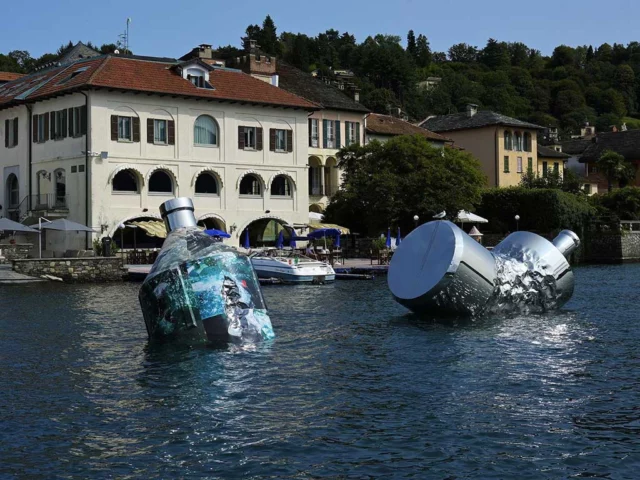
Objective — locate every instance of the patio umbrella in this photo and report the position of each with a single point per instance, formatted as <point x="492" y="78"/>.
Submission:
<point x="246" y="243"/>
<point x="323" y="232"/>
<point x="338" y="241"/>
<point x="7" y="225"/>
<point x="280" y="240"/>
<point x="398" y="240"/>
<point x="388" y="243"/>
<point x="217" y="233"/>
<point x="64" y="225"/>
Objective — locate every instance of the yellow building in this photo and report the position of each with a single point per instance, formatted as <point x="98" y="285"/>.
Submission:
<point x="551" y="160"/>
<point x="506" y="147"/>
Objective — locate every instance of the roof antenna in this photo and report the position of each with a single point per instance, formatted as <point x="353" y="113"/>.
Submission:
<point x="123" y="39"/>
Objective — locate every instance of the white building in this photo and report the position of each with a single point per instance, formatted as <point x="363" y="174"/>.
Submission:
<point x="104" y="141"/>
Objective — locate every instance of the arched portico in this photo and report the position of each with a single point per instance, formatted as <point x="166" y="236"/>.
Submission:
<point x="212" y="220"/>
<point x="264" y="231"/>
<point x="134" y="236"/>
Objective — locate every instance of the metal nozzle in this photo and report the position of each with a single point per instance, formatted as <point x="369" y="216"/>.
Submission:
<point x="178" y="213"/>
<point x="566" y="241"/>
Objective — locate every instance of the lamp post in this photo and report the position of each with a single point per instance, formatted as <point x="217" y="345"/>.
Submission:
<point x="416" y="218"/>
<point x="517" y="217"/>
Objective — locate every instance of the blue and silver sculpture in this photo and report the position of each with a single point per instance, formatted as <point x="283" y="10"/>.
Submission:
<point x="200" y="290"/>
<point x="439" y="270"/>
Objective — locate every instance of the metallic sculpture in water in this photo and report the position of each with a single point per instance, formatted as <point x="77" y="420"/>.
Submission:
<point x="438" y="269"/>
<point x="200" y="290"/>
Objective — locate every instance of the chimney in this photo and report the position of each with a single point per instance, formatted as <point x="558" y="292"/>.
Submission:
<point x="356" y="96"/>
<point x="472" y="109"/>
<point x="205" y="51"/>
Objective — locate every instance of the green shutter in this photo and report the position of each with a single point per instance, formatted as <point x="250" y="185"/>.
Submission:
<point x="357" y="142"/>
<point x="324" y="133"/>
<point x="337" y="134"/>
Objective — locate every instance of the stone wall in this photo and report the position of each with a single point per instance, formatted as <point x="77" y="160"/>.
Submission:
<point x="15" y="251"/>
<point x="613" y="247"/>
<point x="91" y="269"/>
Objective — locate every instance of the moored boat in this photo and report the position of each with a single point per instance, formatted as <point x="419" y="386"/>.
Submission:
<point x="291" y="267"/>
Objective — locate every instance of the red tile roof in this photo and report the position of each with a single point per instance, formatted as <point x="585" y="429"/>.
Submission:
<point x="8" y="76"/>
<point x="132" y="74"/>
<point x="378" y="124"/>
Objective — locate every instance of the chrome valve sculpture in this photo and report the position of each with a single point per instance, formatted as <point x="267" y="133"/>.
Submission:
<point x="200" y="290"/>
<point x="438" y="269"/>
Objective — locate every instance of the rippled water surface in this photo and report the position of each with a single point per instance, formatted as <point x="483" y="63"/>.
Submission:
<point x="352" y="387"/>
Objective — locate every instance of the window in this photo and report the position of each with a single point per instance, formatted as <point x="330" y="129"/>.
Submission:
<point x="556" y="168"/>
<point x="281" y="187"/>
<point x="506" y="164"/>
<point x="518" y="142"/>
<point x="124" y="129"/>
<point x="545" y="167"/>
<point x="80" y="168"/>
<point x="205" y="131"/>
<point x="14" y="191"/>
<point x="206" y="184"/>
<point x="593" y="169"/>
<point x="74" y="169"/>
<point x="160" y="182"/>
<point x="197" y="80"/>
<point x="250" y="185"/>
<point x="519" y="164"/>
<point x="530" y="164"/>
<point x="11" y="132"/>
<point x="329" y="137"/>
<point x="280" y="140"/>
<point x="61" y="187"/>
<point x="508" y="141"/>
<point x="125" y="181"/>
<point x="352" y="131"/>
<point x="160" y="132"/>
<point x="249" y="137"/>
<point x="40" y="127"/>
<point x="313" y="133"/>
<point x="527" y="142"/>
<point x="58" y="124"/>
<point x="587" y="188"/>
<point x="77" y="121"/>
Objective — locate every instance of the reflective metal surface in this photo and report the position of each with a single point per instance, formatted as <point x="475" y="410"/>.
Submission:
<point x="178" y="213"/>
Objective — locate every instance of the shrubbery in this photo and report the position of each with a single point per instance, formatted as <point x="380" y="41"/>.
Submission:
<point x="621" y="204"/>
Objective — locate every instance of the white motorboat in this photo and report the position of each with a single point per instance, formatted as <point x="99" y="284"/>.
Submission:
<point x="291" y="267"/>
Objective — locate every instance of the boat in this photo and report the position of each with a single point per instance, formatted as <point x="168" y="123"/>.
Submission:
<point x="291" y="267"/>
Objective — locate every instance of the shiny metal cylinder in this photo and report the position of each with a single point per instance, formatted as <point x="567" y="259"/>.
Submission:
<point x="439" y="269"/>
<point x="566" y="241"/>
<point x="178" y="213"/>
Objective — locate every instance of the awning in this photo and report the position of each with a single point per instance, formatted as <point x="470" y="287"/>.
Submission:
<point x="153" y="228"/>
<point x="317" y="226"/>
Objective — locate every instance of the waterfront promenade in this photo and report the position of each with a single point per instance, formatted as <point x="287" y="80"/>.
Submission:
<point x="9" y="277"/>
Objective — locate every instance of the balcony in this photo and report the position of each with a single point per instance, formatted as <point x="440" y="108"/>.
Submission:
<point x="49" y="205"/>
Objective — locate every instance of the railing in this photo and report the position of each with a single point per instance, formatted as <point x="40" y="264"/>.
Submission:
<point x="49" y="201"/>
<point x="323" y="191"/>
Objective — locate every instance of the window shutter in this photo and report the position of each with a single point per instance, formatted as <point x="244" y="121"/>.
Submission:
<point x="70" y="122"/>
<point x="241" y="138"/>
<point x="259" y="138"/>
<point x="15" y="131"/>
<point x="83" y="121"/>
<point x="310" y="132"/>
<point x="114" y="127"/>
<point x="149" y="130"/>
<point x="172" y="132"/>
<point x="324" y="133"/>
<point x="347" y="134"/>
<point x="52" y="124"/>
<point x="46" y="127"/>
<point x="289" y="140"/>
<point x="6" y="133"/>
<point x="34" y="128"/>
<point x="135" y="126"/>
<point x="272" y="139"/>
<point x="357" y="139"/>
<point x="337" y="134"/>
<point x="64" y="123"/>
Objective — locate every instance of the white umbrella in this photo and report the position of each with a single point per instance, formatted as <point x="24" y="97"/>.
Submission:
<point x="468" y="217"/>
<point x="7" y="225"/>
<point x="65" y="225"/>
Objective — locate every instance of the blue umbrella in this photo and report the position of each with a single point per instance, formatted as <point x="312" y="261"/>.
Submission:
<point x="246" y="243"/>
<point x="217" y="233"/>
<point x="398" y="240"/>
<point x="280" y="240"/>
<point x="338" y="241"/>
<point x="388" y="244"/>
<point x="292" y="241"/>
<point x="323" y="232"/>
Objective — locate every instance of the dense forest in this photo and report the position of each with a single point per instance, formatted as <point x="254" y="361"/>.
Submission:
<point x="599" y="84"/>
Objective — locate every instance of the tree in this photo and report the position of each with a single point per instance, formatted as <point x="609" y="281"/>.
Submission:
<point x="495" y="54"/>
<point x="615" y="168"/>
<point x="463" y="53"/>
<point x="423" y="51"/>
<point x="268" y="39"/>
<point x="387" y="184"/>
<point x="411" y="44"/>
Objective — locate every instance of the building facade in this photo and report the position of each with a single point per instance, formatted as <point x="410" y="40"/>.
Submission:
<point x="506" y="147"/>
<point x="105" y="141"/>
<point x="384" y="127"/>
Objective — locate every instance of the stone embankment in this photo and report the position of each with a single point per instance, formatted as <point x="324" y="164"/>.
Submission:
<point x="80" y="270"/>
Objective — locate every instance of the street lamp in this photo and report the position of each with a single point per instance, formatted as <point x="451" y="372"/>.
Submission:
<point x="517" y="217"/>
<point x="416" y="218"/>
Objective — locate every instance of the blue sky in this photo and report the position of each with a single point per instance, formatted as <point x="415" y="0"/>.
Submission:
<point x="171" y="28"/>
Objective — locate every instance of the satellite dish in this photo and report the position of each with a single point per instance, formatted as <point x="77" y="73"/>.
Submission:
<point x="116" y="51"/>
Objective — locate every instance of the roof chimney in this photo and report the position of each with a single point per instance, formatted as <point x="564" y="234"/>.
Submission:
<point x="205" y="51"/>
<point x="472" y="109"/>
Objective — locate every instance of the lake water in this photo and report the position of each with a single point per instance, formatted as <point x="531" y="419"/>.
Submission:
<point x="352" y="387"/>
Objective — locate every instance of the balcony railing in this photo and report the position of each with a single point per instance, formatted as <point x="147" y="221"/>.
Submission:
<point x="323" y="191"/>
<point x="49" y="201"/>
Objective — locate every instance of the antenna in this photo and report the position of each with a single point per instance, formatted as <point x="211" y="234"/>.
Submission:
<point x="123" y="39"/>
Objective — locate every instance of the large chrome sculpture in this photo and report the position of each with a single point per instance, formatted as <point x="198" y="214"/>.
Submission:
<point x="200" y="290"/>
<point x="438" y="269"/>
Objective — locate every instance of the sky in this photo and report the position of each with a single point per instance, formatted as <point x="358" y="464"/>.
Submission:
<point x="171" y="28"/>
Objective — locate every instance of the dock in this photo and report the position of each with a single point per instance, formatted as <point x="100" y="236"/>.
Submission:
<point x="9" y="277"/>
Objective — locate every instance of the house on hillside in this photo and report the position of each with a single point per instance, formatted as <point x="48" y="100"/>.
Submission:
<point x="550" y="160"/>
<point x="504" y="145"/>
<point x="626" y="143"/>
<point x="383" y="127"/>
<point x="104" y="141"/>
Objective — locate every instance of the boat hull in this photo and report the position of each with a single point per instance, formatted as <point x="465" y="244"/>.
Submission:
<point x="293" y="274"/>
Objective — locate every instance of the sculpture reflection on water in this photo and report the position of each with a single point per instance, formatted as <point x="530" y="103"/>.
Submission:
<point x="200" y="290"/>
<point x="439" y="270"/>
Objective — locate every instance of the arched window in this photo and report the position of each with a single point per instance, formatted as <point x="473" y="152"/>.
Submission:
<point x="61" y="187"/>
<point x="125" y="181"/>
<point x="206" y="183"/>
<point x="250" y="185"/>
<point x="160" y="182"/>
<point x="527" y="142"/>
<point x="281" y="186"/>
<point x="508" y="140"/>
<point x="205" y="131"/>
<point x="14" y="191"/>
<point x="518" y="142"/>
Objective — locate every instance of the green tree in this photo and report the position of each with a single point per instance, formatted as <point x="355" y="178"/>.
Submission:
<point x="463" y="53"/>
<point x="423" y="55"/>
<point x="495" y="54"/>
<point x="387" y="184"/>
<point x="615" y="168"/>
<point x="411" y="44"/>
